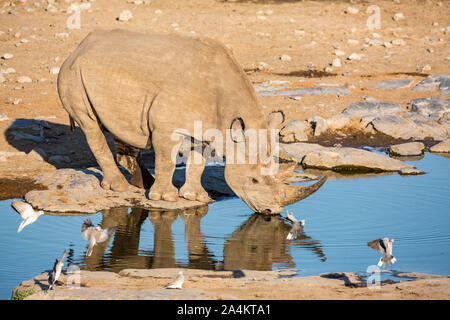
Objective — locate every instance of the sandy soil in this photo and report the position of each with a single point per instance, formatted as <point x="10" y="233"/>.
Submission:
<point x="256" y="32"/>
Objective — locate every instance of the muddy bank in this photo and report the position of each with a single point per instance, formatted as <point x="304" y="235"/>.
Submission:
<point x="17" y="188"/>
<point x="231" y="285"/>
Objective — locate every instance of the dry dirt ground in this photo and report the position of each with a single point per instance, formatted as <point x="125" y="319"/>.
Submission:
<point x="38" y="38"/>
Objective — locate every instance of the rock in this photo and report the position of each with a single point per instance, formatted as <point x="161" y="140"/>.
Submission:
<point x="407" y="149"/>
<point x="342" y="159"/>
<point x="37" y="154"/>
<point x="355" y="56"/>
<point x="3" y="117"/>
<point x="398" y="42"/>
<point x="158" y="11"/>
<point x="62" y="35"/>
<point x="387" y="44"/>
<point x="301" y="130"/>
<point x="54" y="70"/>
<point x="432" y="81"/>
<point x="2" y="78"/>
<point x="396" y="127"/>
<point x="125" y="16"/>
<point x="23" y="79"/>
<point x="393" y="84"/>
<point x="410" y="172"/>
<point x="79" y="190"/>
<point x="314" y="91"/>
<point x="371" y="108"/>
<point x="429" y="106"/>
<point x="285" y="57"/>
<point x="17" y="101"/>
<point x="441" y="147"/>
<point x="352" y="10"/>
<point x="7" y="56"/>
<point x="398" y="16"/>
<point x="319" y="124"/>
<point x="339" y="53"/>
<point x="336" y="63"/>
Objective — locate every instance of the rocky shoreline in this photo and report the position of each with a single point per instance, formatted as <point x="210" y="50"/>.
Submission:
<point x="149" y="284"/>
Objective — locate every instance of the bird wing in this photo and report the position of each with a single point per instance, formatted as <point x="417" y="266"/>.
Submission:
<point x="25" y="210"/>
<point x="290" y="217"/>
<point x="104" y="234"/>
<point x="177" y="283"/>
<point x="90" y="246"/>
<point x="377" y="245"/>
<point x="87" y="234"/>
<point x="295" y="232"/>
<point x="388" y="245"/>
<point x="63" y="256"/>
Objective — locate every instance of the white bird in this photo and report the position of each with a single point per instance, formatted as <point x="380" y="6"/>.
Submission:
<point x="26" y="211"/>
<point x="385" y="247"/>
<point x="95" y="234"/>
<point x="297" y="226"/>
<point x="56" y="272"/>
<point x="177" y="283"/>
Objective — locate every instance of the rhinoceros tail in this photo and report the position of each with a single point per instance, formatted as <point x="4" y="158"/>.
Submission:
<point x="72" y="124"/>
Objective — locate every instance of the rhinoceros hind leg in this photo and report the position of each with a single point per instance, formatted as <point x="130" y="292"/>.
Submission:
<point x="192" y="188"/>
<point x="163" y="189"/>
<point x="128" y="157"/>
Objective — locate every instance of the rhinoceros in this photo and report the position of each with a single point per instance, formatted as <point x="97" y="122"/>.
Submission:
<point x="143" y="87"/>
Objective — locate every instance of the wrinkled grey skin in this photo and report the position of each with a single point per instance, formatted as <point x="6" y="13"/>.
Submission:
<point x="143" y="87"/>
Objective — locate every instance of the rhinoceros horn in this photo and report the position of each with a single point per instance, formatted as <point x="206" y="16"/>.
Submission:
<point x="292" y="194"/>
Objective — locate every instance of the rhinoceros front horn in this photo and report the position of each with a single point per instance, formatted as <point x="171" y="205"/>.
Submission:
<point x="293" y="194"/>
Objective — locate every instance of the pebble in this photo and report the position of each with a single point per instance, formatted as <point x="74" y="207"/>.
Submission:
<point x="125" y="16"/>
<point x="355" y="56"/>
<point x="398" y="16"/>
<point x="62" y="35"/>
<point x="17" y="101"/>
<point x="339" y="53"/>
<point x="7" y="56"/>
<point x="285" y="57"/>
<point x="352" y="10"/>
<point x="387" y="44"/>
<point x="54" y="70"/>
<point x="336" y="63"/>
<point x="3" y="117"/>
<point x="336" y="45"/>
<point x="157" y="11"/>
<point x="23" y="79"/>
<point x="352" y="41"/>
<point x="398" y="42"/>
<point x="426" y="67"/>
<point x="2" y="78"/>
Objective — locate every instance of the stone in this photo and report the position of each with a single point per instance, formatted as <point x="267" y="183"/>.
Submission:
<point x="125" y="16"/>
<point x="314" y="91"/>
<point x="355" y="56"/>
<point x="429" y="106"/>
<point x="79" y="190"/>
<point x="336" y="63"/>
<point x="342" y="159"/>
<point x="54" y="70"/>
<point x="398" y="16"/>
<point x="441" y="147"/>
<point x="393" y="84"/>
<point x="37" y="154"/>
<point x="62" y="35"/>
<point x="7" y="56"/>
<point x="339" y="53"/>
<point x="2" y="78"/>
<point x="17" y="101"/>
<point x="434" y="80"/>
<point x="319" y="124"/>
<point x="352" y="10"/>
<point x="23" y="79"/>
<point x="398" y="42"/>
<point x="371" y="108"/>
<point x="301" y="130"/>
<point x="285" y="57"/>
<point x="396" y="127"/>
<point x="3" y="117"/>
<point x="407" y="149"/>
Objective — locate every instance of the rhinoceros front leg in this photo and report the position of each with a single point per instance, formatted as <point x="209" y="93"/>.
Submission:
<point x="192" y="188"/>
<point x="162" y="188"/>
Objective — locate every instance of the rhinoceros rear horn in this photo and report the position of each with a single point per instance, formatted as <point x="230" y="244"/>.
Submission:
<point x="293" y="194"/>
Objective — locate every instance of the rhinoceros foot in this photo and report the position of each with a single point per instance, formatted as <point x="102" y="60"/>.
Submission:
<point x="193" y="193"/>
<point x="118" y="183"/>
<point x="163" y="192"/>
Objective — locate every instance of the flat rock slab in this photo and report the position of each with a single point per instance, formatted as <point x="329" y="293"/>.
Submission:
<point x="393" y="84"/>
<point x="345" y="159"/>
<point x="79" y="190"/>
<point x="314" y="91"/>
<point x="429" y="106"/>
<point x="371" y="108"/>
<point x="434" y="80"/>
<point x="407" y="149"/>
<point x="441" y="147"/>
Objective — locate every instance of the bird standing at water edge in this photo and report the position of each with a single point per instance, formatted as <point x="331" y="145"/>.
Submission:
<point x="177" y="284"/>
<point x="56" y="272"/>
<point x="385" y="247"/>
<point x="26" y="211"/>
<point x="95" y="234"/>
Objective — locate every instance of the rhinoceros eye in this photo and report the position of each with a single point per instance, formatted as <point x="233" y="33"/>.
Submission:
<point x="254" y="180"/>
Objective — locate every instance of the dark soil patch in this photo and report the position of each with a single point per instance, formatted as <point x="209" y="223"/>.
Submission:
<point x="17" y="188"/>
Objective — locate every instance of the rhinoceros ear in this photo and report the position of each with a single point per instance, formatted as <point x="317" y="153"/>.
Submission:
<point x="275" y="119"/>
<point x="237" y="129"/>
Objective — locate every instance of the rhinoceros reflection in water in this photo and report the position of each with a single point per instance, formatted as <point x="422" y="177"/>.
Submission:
<point x="260" y="242"/>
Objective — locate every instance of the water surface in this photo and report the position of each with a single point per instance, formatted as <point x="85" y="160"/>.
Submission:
<point x="341" y="218"/>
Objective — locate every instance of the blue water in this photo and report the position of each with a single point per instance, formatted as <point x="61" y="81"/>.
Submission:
<point x="340" y="219"/>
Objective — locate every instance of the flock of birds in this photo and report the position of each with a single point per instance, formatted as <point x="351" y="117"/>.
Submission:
<point x="95" y="234"/>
